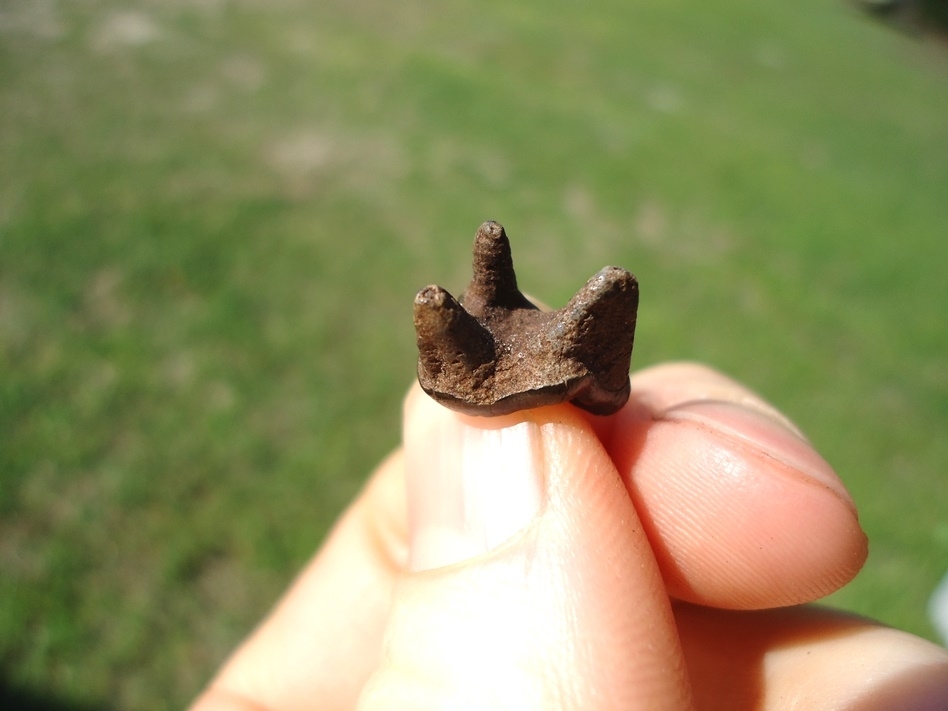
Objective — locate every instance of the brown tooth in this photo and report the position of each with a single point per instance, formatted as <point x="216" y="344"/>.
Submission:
<point x="497" y="353"/>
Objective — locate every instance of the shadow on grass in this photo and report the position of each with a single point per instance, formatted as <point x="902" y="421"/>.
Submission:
<point x="913" y="16"/>
<point x="17" y="698"/>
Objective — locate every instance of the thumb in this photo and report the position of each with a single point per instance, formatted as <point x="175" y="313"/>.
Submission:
<point x="533" y="585"/>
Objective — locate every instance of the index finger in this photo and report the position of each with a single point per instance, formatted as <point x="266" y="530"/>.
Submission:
<point x="739" y="508"/>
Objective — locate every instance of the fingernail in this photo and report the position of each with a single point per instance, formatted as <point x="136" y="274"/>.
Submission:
<point x="766" y="434"/>
<point x="472" y="483"/>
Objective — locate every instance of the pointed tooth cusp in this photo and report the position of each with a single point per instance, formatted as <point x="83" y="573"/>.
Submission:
<point x="612" y="281"/>
<point x="599" y="325"/>
<point x="449" y="338"/>
<point x="611" y="290"/>
<point x="493" y="282"/>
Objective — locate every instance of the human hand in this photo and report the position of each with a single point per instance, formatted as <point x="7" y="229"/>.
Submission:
<point x="549" y="559"/>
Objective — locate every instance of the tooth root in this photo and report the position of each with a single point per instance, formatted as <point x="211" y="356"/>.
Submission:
<point x="598" y="324"/>
<point x="494" y="282"/>
<point x="450" y="340"/>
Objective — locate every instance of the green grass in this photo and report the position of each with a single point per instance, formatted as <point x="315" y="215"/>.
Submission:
<point x="214" y="216"/>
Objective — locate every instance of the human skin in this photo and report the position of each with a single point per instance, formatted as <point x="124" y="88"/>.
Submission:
<point x="659" y="558"/>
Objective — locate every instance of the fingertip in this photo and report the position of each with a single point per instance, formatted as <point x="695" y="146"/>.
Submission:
<point x="762" y="434"/>
<point x="741" y="510"/>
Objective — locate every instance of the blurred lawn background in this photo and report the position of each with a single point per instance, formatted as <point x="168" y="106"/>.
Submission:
<point x="214" y="216"/>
